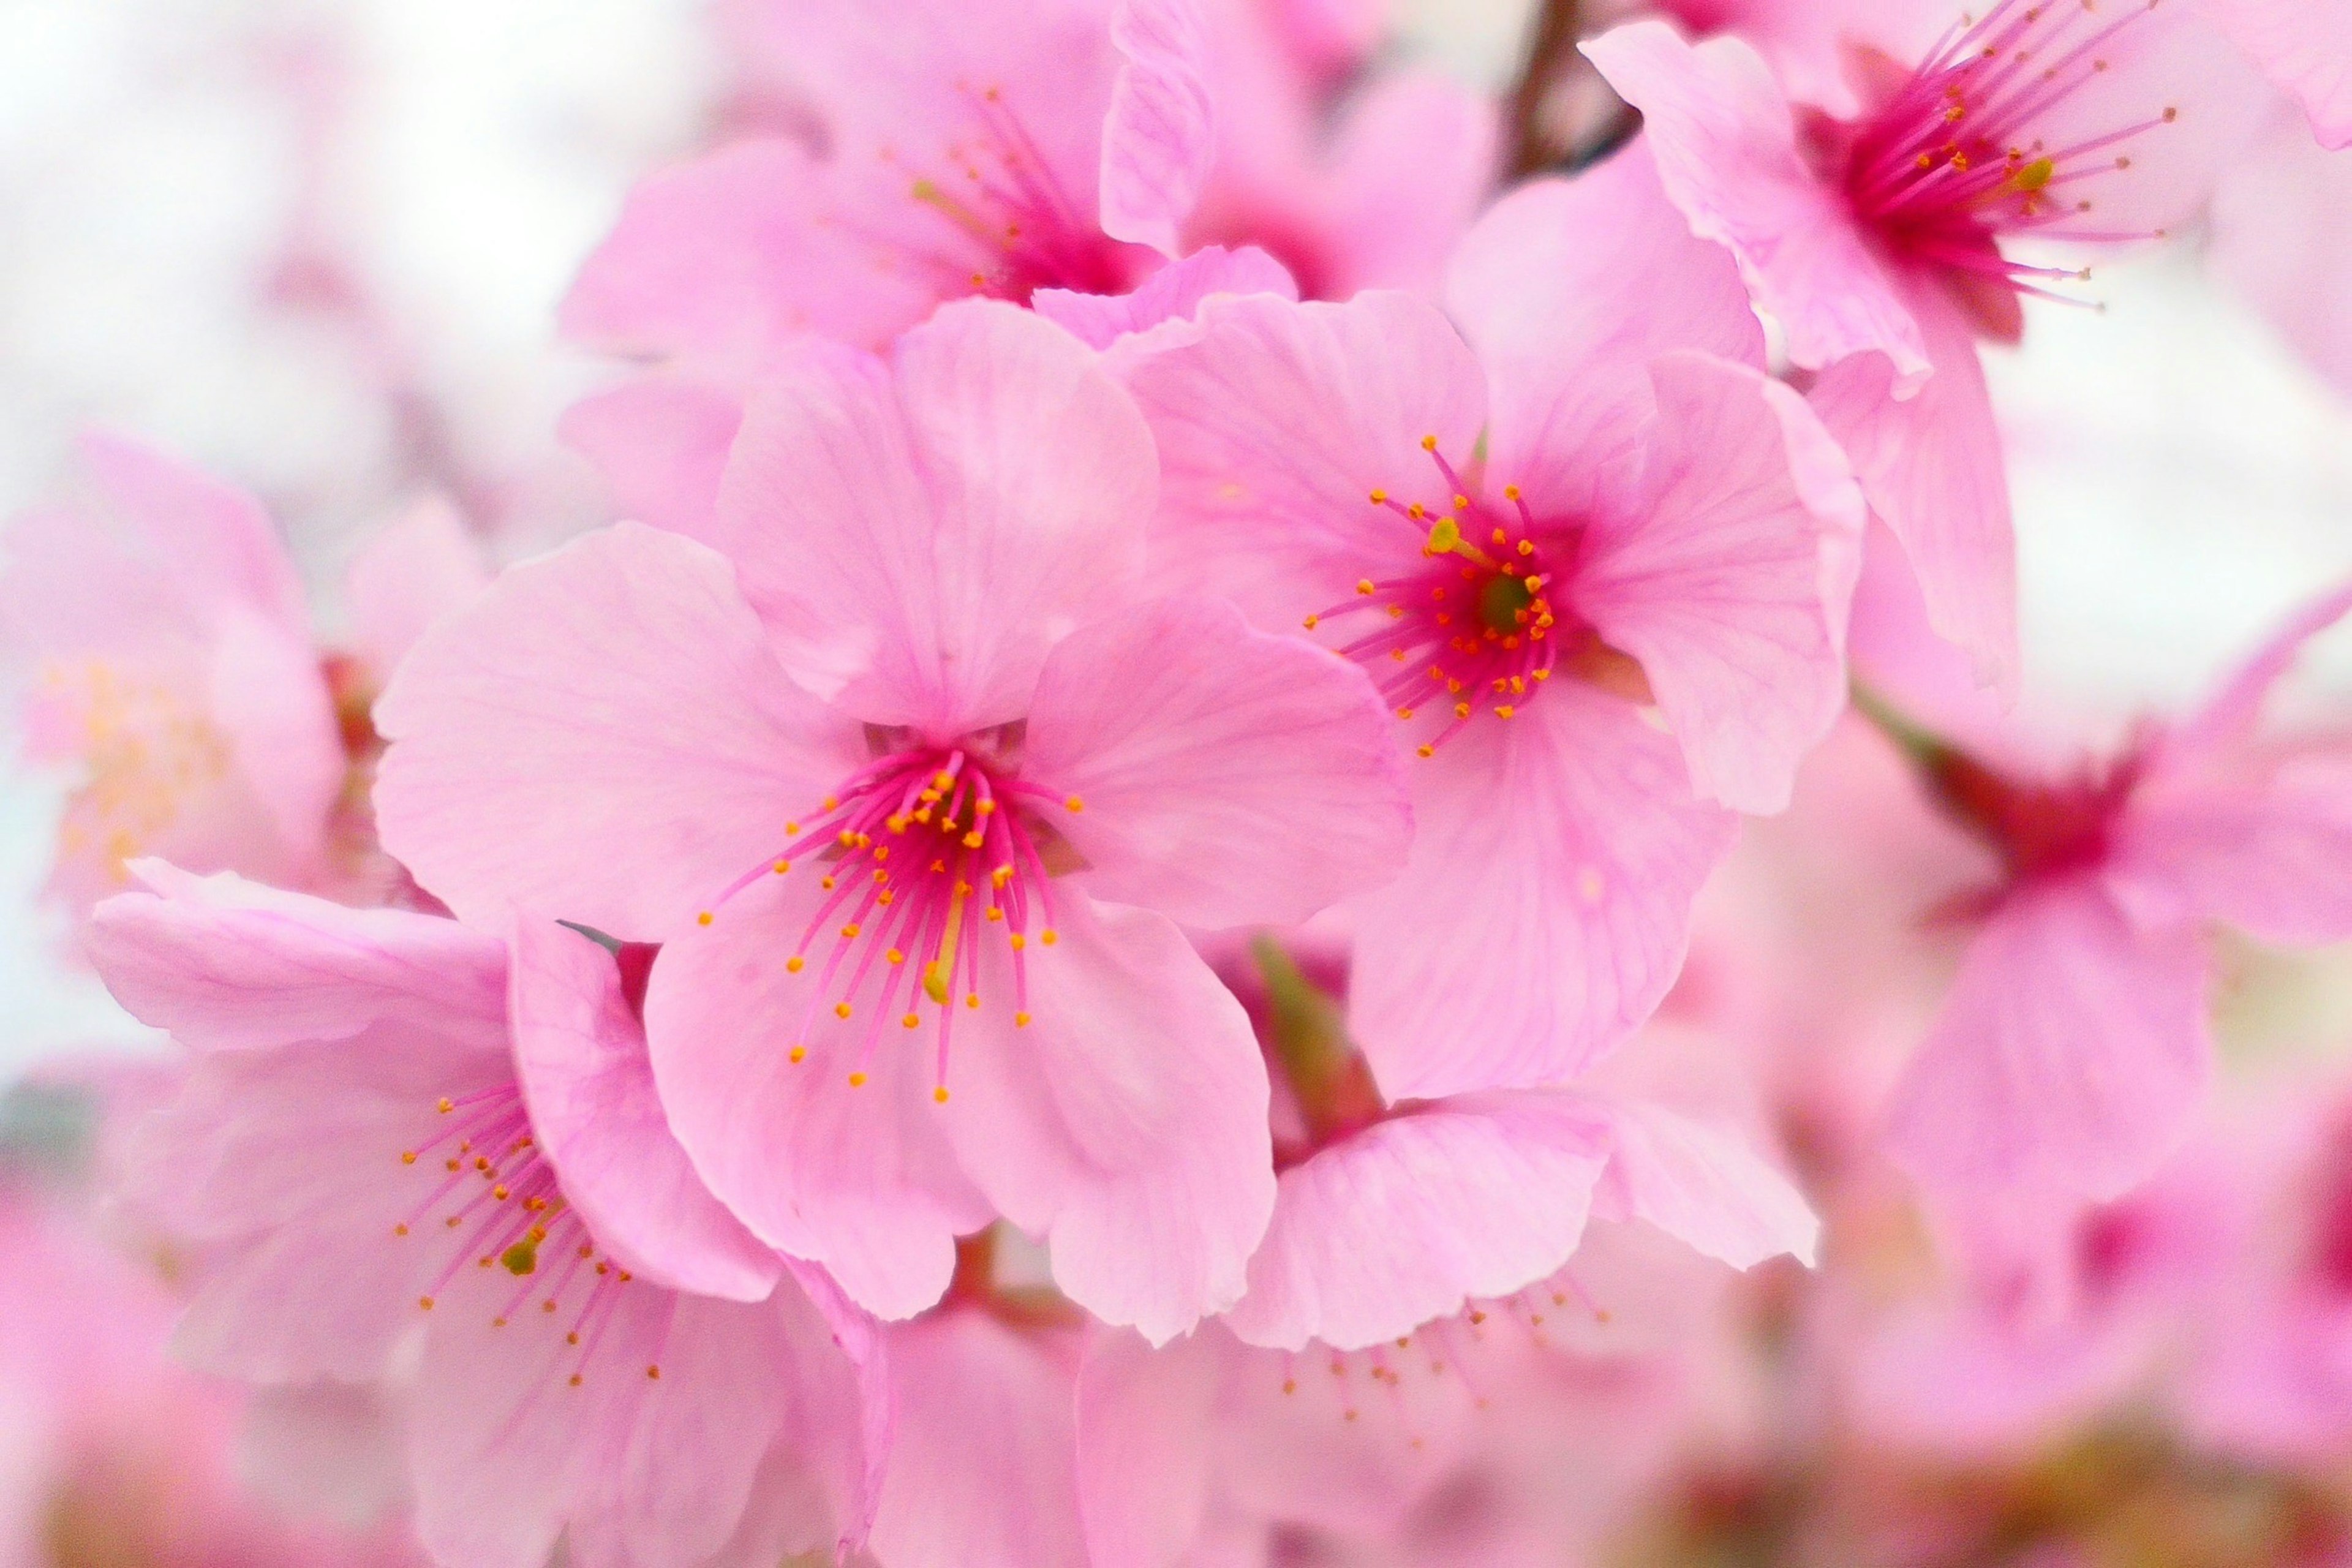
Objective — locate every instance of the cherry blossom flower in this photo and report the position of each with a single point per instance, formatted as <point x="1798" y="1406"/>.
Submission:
<point x="394" y="1139"/>
<point x="915" y="789"/>
<point x="2074" y="1045"/>
<point x="1880" y="238"/>
<point x="2304" y="47"/>
<point x="1530" y="538"/>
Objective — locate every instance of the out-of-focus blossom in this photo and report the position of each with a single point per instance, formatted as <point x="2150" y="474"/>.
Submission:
<point x="2279" y="225"/>
<point x="2075" y="1042"/>
<point x="399" y="1151"/>
<point x="916" y="786"/>
<point x="1594" y="506"/>
<point x="2305" y="47"/>
<point x="1879" y="238"/>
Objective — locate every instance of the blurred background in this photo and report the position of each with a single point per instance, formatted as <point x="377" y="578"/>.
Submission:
<point x="315" y="248"/>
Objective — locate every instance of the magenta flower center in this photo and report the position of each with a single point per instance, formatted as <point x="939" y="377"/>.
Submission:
<point x="924" y="857"/>
<point x="495" y="1208"/>
<point x="1955" y="158"/>
<point x="1023" y="231"/>
<point x="1477" y="627"/>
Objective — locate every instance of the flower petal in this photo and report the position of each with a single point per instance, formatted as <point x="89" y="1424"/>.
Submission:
<point x="2305" y="47"/>
<point x="1568" y="289"/>
<point x="661" y="446"/>
<point x="919" y="534"/>
<point x="858" y="1179"/>
<point x="2069" y="1055"/>
<point x="1703" y="1184"/>
<point x="580" y="1057"/>
<point x="1401" y="1224"/>
<point x="1160" y="135"/>
<point x="1934" y="471"/>
<point x="604" y="736"/>
<point x="1229" y="777"/>
<point x="422" y="567"/>
<point x="1725" y="145"/>
<point x="1171" y="294"/>
<point x="1145" y="1444"/>
<point x="1732" y="584"/>
<point x="1546" y="907"/>
<point x="1128" y="1124"/>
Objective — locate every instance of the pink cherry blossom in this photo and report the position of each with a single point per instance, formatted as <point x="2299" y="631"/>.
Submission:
<point x="391" y="1135"/>
<point x="1580" y="513"/>
<point x="2276" y="226"/>
<point x="2074" y="1045"/>
<point x="1876" y="237"/>
<point x="166" y="646"/>
<point x="915" y="787"/>
<point x="2306" y="48"/>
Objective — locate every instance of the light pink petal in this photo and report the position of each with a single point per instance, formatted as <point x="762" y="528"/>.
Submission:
<point x="1171" y="294"/>
<point x="423" y="566"/>
<point x="1568" y="289"/>
<point x="580" y="1057"/>
<point x="982" y="1475"/>
<point x="2230" y="715"/>
<point x="1161" y="135"/>
<point x="1277" y="425"/>
<point x="2070" y="1053"/>
<point x="1228" y="776"/>
<point x="725" y="262"/>
<point x="861" y="1180"/>
<point x="268" y="696"/>
<point x="2269" y="853"/>
<point x="1546" y="907"/>
<point x="604" y="736"/>
<point x="919" y="534"/>
<point x="1126" y="1125"/>
<point x="219" y="543"/>
<point x="228" y="965"/>
<point x="1704" y="1184"/>
<point x="1146" y="1445"/>
<point x="1413" y="140"/>
<point x="1401" y="1224"/>
<point x="1934" y="471"/>
<point x="1725" y="145"/>
<point x="661" y="446"/>
<point x="1732" y="584"/>
<point x="2278" y="225"/>
<point x="2306" y="48"/>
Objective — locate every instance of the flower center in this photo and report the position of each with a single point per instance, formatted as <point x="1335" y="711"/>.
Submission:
<point x="494" y="1203"/>
<point x="1476" y="628"/>
<point x="1025" y="231"/>
<point x="146" y="749"/>
<point x="921" y="857"/>
<point x="1956" y="158"/>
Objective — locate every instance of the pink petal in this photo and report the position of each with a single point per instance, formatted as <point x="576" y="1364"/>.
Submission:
<point x="1703" y="1184"/>
<point x="2306" y="48"/>
<point x="1145" y="1444"/>
<point x="581" y="1056"/>
<point x="1546" y="907"/>
<point x="2270" y="854"/>
<point x="861" y="1180"/>
<point x="2069" y="1055"/>
<point x="1567" y="325"/>
<point x="725" y="262"/>
<point x="1174" y="293"/>
<point x="1161" y="135"/>
<point x="2230" y="716"/>
<point x="981" y="1476"/>
<point x="1402" y="1222"/>
<point x="919" y="534"/>
<point x="422" y="567"/>
<point x="661" y="446"/>
<point x="1411" y="141"/>
<point x="1934" y="471"/>
<point x="228" y="965"/>
<point x="1277" y="425"/>
<point x="1732" y="583"/>
<point x="220" y="545"/>
<point x="1126" y="1125"/>
<point x="1725" y="145"/>
<point x="1229" y="777"/>
<point x="267" y="694"/>
<point x="604" y="735"/>
<point x="2278" y="225"/>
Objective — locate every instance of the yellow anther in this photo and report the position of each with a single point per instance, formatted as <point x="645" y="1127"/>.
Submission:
<point x="1019" y="941"/>
<point x="1312" y="622"/>
<point x="448" y="1105"/>
<point x="971" y="999"/>
<point x="408" y="1157"/>
<point x="1444" y="536"/>
<point x="1429" y="443"/>
<point x="1416" y="511"/>
<point x="1075" y="804"/>
<point x="1504" y="710"/>
<point x="857" y="1080"/>
<point x="1461" y="503"/>
<point x="782" y="866"/>
<point x="794" y="964"/>
<point x="986" y="808"/>
<point x="940" y="1094"/>
<point x="826" y="884"/>
<point x="849" y="931"/>
<point x="973" y="839"/>
<point x="1527" y="547"/>
<point x="912" y="1021"/>
<point x="1001" y="876"/>
<point x="943" y="780"/>
<point x="841" y="1009"/>
<point x="895" y="956"/>
<point x="1020" y="1020"/>
<point x="848" y="839"/>
<point x="792" y="829"/>
<point x="2033" y="176"/>
<point x="1404" y="712"/>
<point x="1048" y="936"/>
<point x="1462" y="710"/>
<point x="1364" y="586"/>
<point x="1425" y="750"/>
<point x="654" y="1371"/>
<point x="1380" y="497"/>
<point x="799" y="1054"/>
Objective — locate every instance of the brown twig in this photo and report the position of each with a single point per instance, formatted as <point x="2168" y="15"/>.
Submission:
<point x="1551" y="53"/>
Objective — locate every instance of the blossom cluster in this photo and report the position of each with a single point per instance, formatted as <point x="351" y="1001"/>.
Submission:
<point x="1083" y="936"/>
